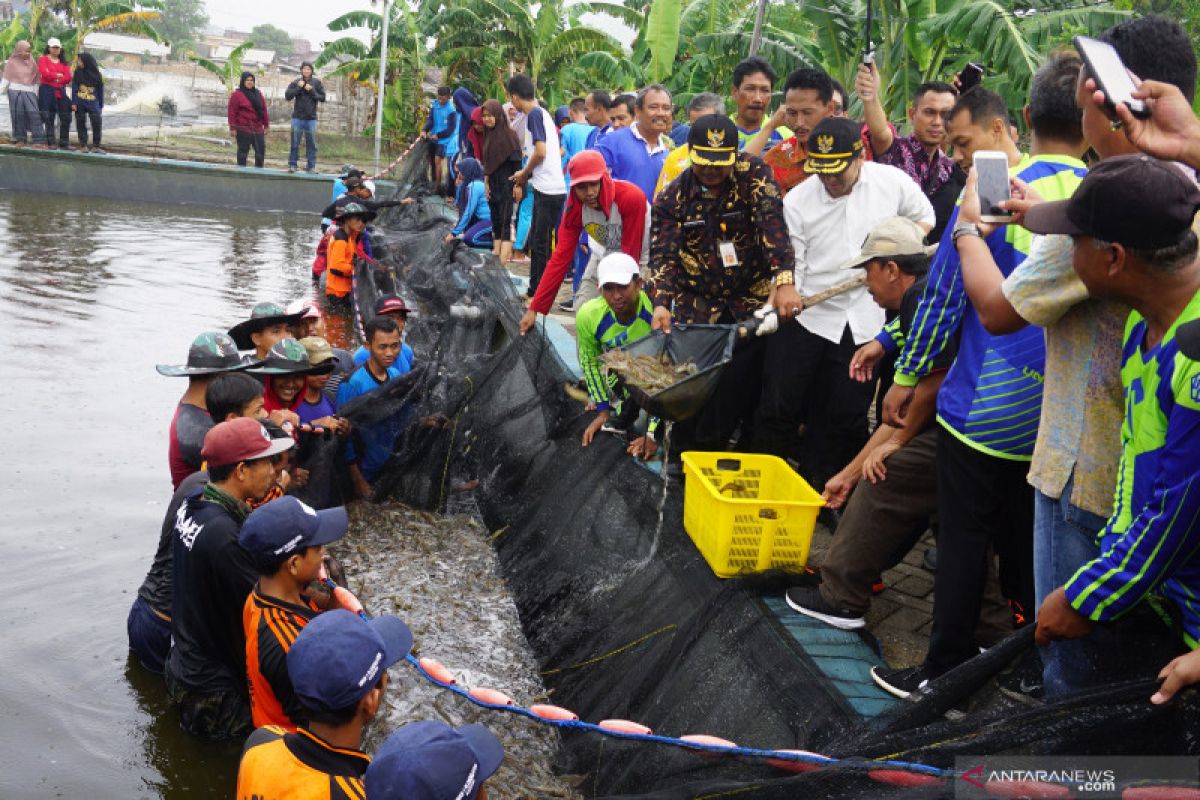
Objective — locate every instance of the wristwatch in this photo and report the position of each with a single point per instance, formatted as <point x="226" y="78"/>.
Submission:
<point x="787" y="278"/>
<point x="965" y="229"/>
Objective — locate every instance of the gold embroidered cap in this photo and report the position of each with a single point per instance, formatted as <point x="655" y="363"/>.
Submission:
<point x="833" y="146"/>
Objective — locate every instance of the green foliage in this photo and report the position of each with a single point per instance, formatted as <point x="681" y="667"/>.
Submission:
<point x="181" y="23"/>
<point x="230" y="72"/>
<point x="271" y="38"/>
<point x="406" y="64"/>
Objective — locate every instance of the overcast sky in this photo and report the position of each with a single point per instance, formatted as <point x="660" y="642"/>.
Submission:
<point x="302" y="18"/>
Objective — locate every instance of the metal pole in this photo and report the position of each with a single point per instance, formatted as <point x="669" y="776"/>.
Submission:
<point x="383" y="49"/>
<point x="756" y="38"/>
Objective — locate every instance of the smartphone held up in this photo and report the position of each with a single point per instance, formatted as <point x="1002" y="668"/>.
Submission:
<point x="991" y="170"/>
<point x="1106" y="68"/>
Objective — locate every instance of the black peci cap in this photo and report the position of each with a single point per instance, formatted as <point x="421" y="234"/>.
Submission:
<point x="1134" y="200"/>
<point x="713" y="141"/>
<point x="833" y="145"/>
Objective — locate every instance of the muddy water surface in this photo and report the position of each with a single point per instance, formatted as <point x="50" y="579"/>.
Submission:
<point x="92" y="295"/>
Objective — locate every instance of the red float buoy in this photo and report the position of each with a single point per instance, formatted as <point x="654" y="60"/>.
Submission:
<point x="491" y="696"/>
<point x="625" y="726"/>
<point x="437" y="670"/>
<point x="553" y="712"/>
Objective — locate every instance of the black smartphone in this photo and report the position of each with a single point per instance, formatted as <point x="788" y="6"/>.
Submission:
<point x="970" y="76"/>
<point x="991" y="167"/>
<point x="1105" y="66"/>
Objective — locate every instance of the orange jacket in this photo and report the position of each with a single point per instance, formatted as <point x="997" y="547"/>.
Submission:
<point x="340" y="263"/>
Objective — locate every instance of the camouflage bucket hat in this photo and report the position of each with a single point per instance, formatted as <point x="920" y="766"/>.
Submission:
<point x="289" y="357"/>
<point x="210" y="353"/>
<point x="263" y="315"/>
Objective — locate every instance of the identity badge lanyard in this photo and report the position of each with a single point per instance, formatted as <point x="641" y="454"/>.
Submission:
<point x="728" y="251"/>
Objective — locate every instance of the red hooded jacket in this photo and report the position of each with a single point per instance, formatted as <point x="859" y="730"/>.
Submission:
<point x="631" y="205"/>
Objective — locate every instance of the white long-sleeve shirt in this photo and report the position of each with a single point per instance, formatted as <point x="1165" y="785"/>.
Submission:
<point x="827" y="232"/>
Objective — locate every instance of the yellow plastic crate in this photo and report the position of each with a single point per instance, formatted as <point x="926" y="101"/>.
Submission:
<point x="748" y="513"/>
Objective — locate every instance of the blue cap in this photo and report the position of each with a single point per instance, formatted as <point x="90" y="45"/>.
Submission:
<point x="284" y="525"/>
<point x="432" y="761"/>
<point x="561" y="113"/>
<point x="339" y="657"/>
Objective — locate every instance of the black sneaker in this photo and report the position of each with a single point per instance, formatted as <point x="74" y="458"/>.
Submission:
<point x="568" y="306"/>
<point x="809" y="602"/>
<point x="901" y="682"/>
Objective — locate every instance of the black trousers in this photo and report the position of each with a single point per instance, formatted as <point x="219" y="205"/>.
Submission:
<point x="52" y="107"/>
<point x="733" y="402"/>
<point x="500" y="201"/>
<point x="247" y="140"/>
<point x="806" y="380"/>
<point x="81" y="126"/>
<point x="547" y="211"/>
<point x="983" y="502"/>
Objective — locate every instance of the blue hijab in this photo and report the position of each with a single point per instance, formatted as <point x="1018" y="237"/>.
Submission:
<point x="471" y="171"/>
<point x="465" y="103"/>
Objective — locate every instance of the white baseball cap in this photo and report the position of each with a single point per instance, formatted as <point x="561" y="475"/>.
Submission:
<point x="53" y="42"/>
<point x="619" y="268"/>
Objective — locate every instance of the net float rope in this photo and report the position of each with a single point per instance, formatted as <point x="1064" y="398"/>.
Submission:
<point x="392" y="165"/>
<point x="901" y="774"/>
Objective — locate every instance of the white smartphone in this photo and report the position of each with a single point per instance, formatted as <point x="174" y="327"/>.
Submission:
<point x="1105" y="65"/>
<point x="991" y="167"/>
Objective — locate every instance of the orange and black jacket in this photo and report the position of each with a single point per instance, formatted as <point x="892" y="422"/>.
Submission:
<point x="277" y="765"/>
<point x="343" y="246"/>
<point x="271" y="627"/>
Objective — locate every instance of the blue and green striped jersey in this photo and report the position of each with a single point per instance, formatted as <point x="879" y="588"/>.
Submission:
<point x="1152" y="541"/>
<point x="597" y="330"/>
<point x="991" y="399"/>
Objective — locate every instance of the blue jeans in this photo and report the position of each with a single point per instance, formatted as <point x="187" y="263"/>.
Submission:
<point x="307" y="128"/>
<point x="1064" y="539"/>
<point x="149" y="636"/>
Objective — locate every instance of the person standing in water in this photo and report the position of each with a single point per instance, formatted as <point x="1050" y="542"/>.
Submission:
<point x="248" y="120"/>
<point x="21" y="79"/>
<point x="87" y="100"/>
<point x="52" y="96"/>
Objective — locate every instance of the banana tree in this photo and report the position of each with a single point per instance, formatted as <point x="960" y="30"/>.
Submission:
<point x="406" y="63"/>
<point x="548" y="45"/>
<point x="86" y="16"/>
<point x="229" y="73"/>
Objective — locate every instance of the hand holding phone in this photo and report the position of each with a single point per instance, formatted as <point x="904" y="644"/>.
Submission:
<point x="969" y="77"/>
<point x="991" y="169"/>
<point x="1105" y="66"/>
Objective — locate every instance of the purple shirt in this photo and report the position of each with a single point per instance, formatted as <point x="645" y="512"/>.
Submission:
<point x="908" y="155"/>
<point x="309" y="411"/>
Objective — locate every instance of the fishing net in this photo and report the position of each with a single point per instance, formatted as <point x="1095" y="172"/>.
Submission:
<point x="626" y="619"/>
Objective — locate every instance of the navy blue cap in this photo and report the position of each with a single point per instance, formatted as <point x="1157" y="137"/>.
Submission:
<point x="286" y="524"/>
<point x="340" y="656"/>
<point x="432" y="761"/>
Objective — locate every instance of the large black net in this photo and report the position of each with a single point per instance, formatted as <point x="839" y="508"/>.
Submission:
<point x="626" y="619"/>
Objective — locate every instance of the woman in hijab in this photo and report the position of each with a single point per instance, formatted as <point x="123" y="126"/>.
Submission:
<point x="248" y="120"/>
<point x="474" y="224"/>
<point x="475" y="135"/>
<point x="87" y="100"/>
<point x="501" y="160"/>
<point x="21" y="78"/>
<point x="53" y="102"/>
<point x="465" y="103"/>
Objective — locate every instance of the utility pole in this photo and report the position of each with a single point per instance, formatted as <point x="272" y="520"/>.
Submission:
<point x="383" y="51"/>
<point x="756" y="37"/>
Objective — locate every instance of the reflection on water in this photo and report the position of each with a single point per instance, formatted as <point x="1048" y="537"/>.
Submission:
<point x="92" y="295"/>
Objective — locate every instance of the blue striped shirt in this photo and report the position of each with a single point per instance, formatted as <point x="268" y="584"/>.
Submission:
<point x="1152" y="541"/>
<point x="992" y="396"/>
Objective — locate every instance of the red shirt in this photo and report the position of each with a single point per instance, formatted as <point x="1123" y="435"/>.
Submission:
<point x="244" y="117"/>
<point x="54" y="73"/>
<point x="186" y="438"/>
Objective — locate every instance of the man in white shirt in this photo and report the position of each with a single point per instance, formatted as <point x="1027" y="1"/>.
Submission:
<point x="806" y="379"/>
<point x="542" y="172"/>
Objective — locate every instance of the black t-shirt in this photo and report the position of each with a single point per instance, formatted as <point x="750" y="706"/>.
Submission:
<point x="212" y="576"/>
<point x="156" y="589"/>
<point x="943" y="202"/>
